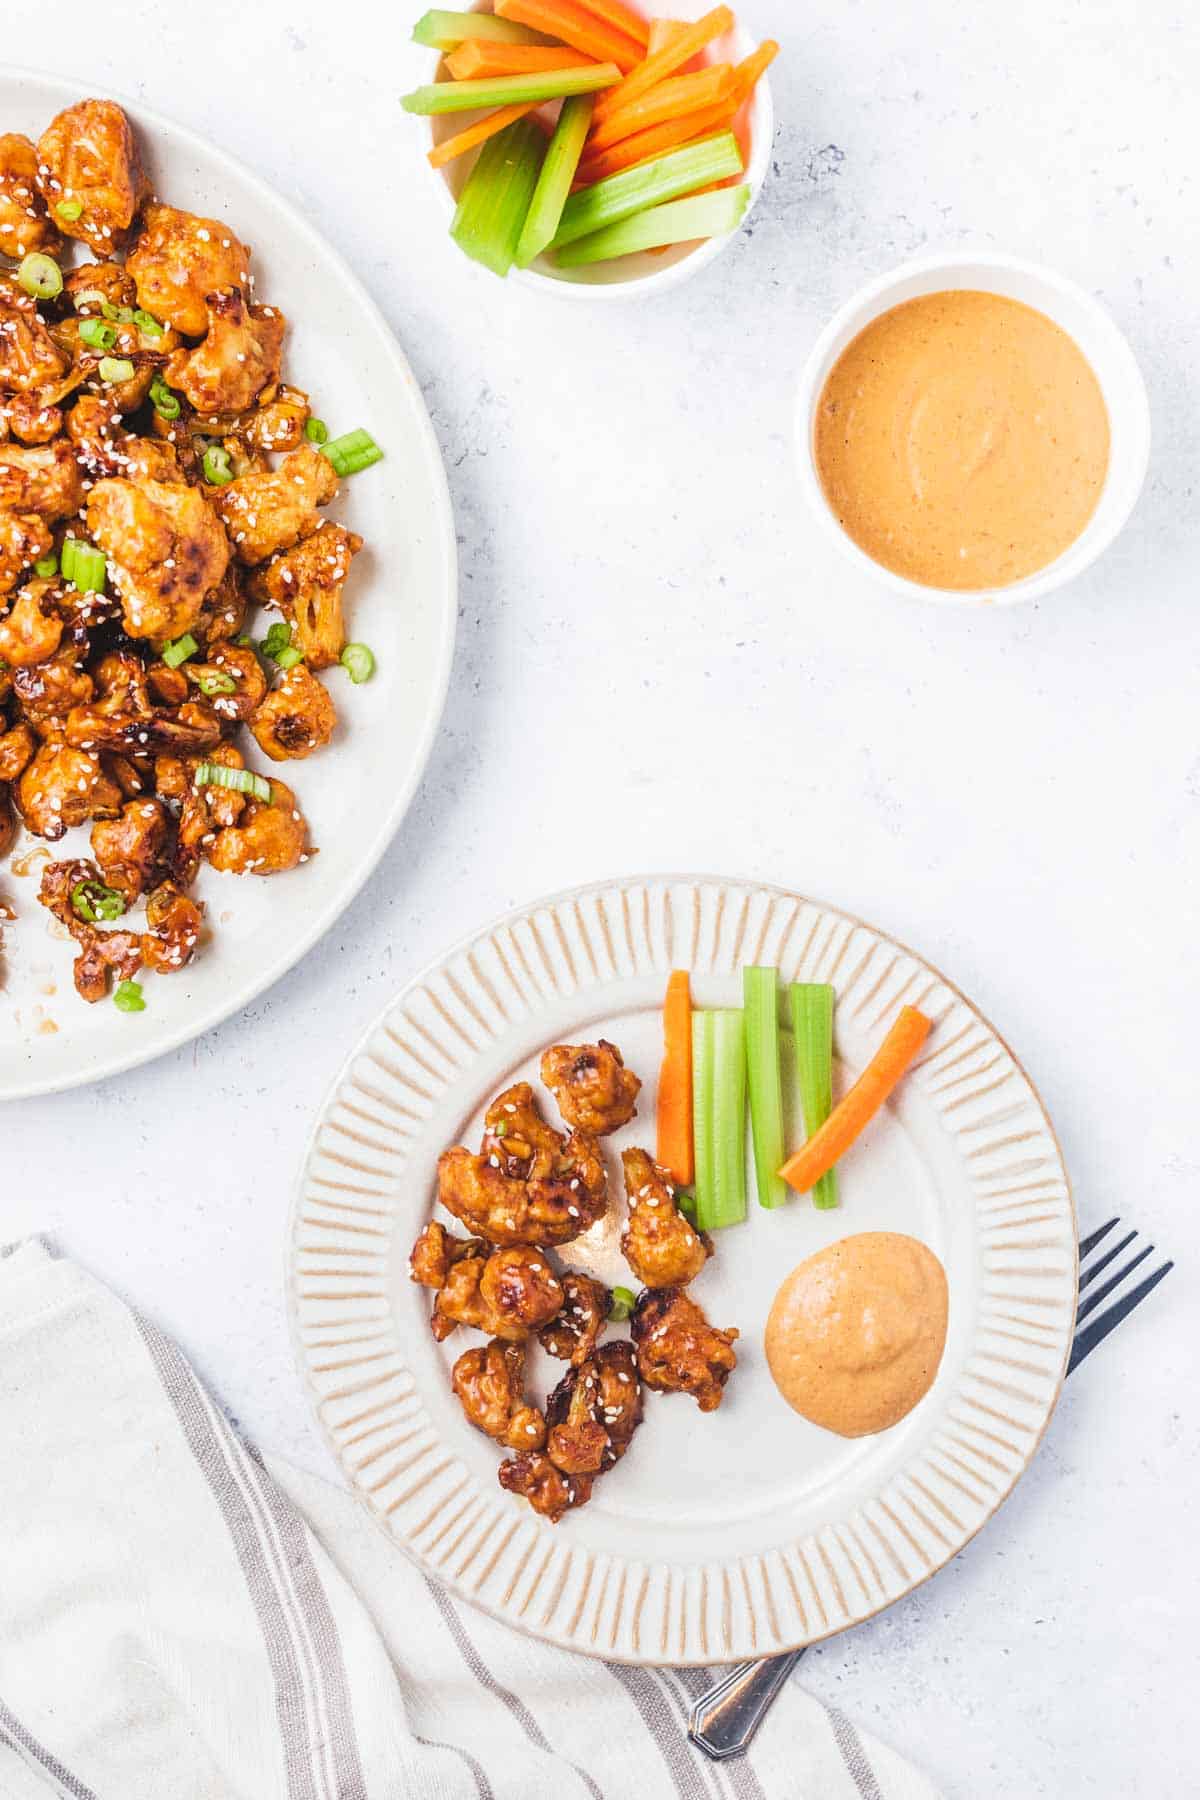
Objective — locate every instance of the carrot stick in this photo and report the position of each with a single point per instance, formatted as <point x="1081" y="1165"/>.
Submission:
<point x="462" y="141"/>
<point x="669" y="100"/>
<point x="746" y="73"/>
<point x="852" y="1114"/>
<point x="621" y="18"/>
<point x="654" y="141"/>
<point x="675" y="1149"/>
<point x="477" y="60"/>
<point x="582" y="30"/>
<point x="662" y="33"/>
<point x="656" y="68"/>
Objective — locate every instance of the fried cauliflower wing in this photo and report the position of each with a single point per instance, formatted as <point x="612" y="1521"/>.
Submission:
<point x="29" y="357"/>
<point x="62" y="787"/>
<point x="270" y="837"/>
<point x="87" y="156"/>
<point x="44" y="479"/>
<point x="594" y="1411"/>
<point x="296" y="718"/>
<point x="594" y="1090"/>
<point x="18" y="746"/>
<point x="238" y="358"/>
<point x="273" y="509"/>
<point x="23" y="539"/>
<point x="572" y="1335"/>
<point x="549" y="1492"/>
<point x="508" y="1294"/>
<point x="32" y="628"/>
<point x="663" y="1249"/>
<point x="25" y="225"/>
<point x="490" y="1384"/>
<point x="103" y="449"/>
<point x="437" y="1250"/>
<point x="678" y="1351"/>
<point x="130" y="849"/>
<point x="173" y="921"/>
<point x="165" y="548"/>
<point x="178" y="259"/>
<point x="529" y="1185"/>
<point x="102" y="954"/>
<point x="306" y="583"/>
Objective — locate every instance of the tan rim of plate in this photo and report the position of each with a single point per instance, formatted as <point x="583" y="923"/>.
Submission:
<point x="352" y="1226"/>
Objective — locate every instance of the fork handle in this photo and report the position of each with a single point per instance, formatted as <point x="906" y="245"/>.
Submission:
<point x="724" y="1720"/>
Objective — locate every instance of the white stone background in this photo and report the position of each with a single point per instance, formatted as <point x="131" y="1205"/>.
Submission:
<point x="661" y="666"/>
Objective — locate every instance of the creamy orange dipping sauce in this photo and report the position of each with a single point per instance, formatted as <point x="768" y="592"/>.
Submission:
<point x="856" y="1333"/>
<point x="962" y="440"/>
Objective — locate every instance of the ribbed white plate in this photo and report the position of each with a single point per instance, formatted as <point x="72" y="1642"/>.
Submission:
<point x="748" y="1530"/>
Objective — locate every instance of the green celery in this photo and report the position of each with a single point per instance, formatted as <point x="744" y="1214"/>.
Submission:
<point x="664" y="177"/>
<point x="443" y="30"/>
<point x="554" y="182"/>
<point x="703" y="1041"/>
<point x="760" y="989"/>
<point x="493" y="204"/>
<point x="511" y="90"/>
<point x="728" y="1120"/>
<point x="812" y="1028"/>
<point x="678" y="222"/>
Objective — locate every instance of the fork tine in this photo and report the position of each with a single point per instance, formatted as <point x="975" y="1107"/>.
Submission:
<point x="1098" y="1330"/>
<point x="1114" y="1281"/>
<point x="1093" y="1238"/>
<point x="1098" y="1267"/>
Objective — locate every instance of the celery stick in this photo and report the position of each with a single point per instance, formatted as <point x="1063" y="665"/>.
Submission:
<point x="511" y="90"/>
<point x="678" y="222"/>
<point x="812" y="1027"/>
<point x="761" y="992"/>
<point x="665" y="177"/>
<point x="554" y="182"/>
<point x="492" y="208"/>
<point x="703" y="1042"/>
<point x="443" y="30"/>
<point x="728" y="1122"/>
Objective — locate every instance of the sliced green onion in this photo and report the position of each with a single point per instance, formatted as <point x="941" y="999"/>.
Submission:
<point x="242" y="781"/>
<point x="70" y="210"/>
<point x="678" y="222"/>
<point x="289" y="656"/>
<point x="495" y="199"/>
<point x="719" y="1098"/>
<point x="88" y="297"/>
<point x="83" y="566"/>
<point x="664" y="177"/>
<point x="116" y="368"/>
<point x="316" y="431"/>
<point x="244" y="639"/>
<point x="96" y="334"/>
<point x="40" y="276"/>
<point x="120" y="315"/>
<point x="440" y="30"/>
<point x="685" y="1200"/>
<point x="166" y="403"/>
<point x="554" y="182"/>
<point x="511" y="90"/>
<point x="353" y="451"/>
<point x="147" y="324"/>
<point x="760" y="992"/>
<point x="359" y="662"/>
<point x="179" y="650"/>
<point x="129" y="997"/>
<point x="623" y="1302"/>
<point x="46" y="565"/>
<point x="216" y="681"/>
<point x="92" y="902"/>
<point x="217" y="469"/>
<point x="812" y="1028"/>
<point x="277" y="640"/>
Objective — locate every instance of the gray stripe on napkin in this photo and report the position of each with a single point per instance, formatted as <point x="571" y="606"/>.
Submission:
<point x="670" y="1742"/>
<point x="854" y="1756"/>
<point x="20" y="1740"/>
<point x="486" y="1679"/>
<point x="185" y="1395"/>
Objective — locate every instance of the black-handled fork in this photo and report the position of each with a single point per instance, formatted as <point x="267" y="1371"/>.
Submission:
<point x="724" y="1720"/>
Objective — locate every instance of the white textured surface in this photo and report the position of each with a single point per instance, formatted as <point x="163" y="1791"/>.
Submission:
<point x="661" y="667"/>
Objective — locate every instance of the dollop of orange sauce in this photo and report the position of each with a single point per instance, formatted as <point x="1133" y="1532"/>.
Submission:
<point x="962" y="440"/>
<point x="856" y="1333"/>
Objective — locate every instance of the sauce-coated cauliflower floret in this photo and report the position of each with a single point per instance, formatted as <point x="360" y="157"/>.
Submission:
<point x="238" y="358"/>
<point x="662" y="1248"/>
<point x="63" y="787"/>
<point x="165" y="550"/>
<point x="23" y="539"/>
<point x="572" y="1334"/>
<point x="592" y="1086"/>
<point x="678" y="1351"/>
<point x="180" y="257"/>
<point x="32" y="629"/>
<point x="271" y="509"/>
<point x="270" y="837"/>
<point x="547" y="1489"/>
<point x="296" y="718"/>
<point x="490" y="1383"/>
<point x="25" y="224"/>
<point x="29" y="357"/>
<point x="130" y="848"/>
<point x="173" y="921"/>
<point x="306" y="583"/>
<point x="87" y="157"/>
<point x="43" y="479"/>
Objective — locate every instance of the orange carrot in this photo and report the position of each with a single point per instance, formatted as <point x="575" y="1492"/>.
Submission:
<point x="852" y="1114"/>
<point x="656" y="68"/>
<point x="570" y="23"/>
<point x="675" y="1149"/>
<point x="662" y="33"/>
<point x="478" y="133"/>
<point x="670" y="99"/>
<point x="478" y="59"/>
<point x="746" y="73"/>
<point x="654" y="141"/>
<point x="621" y="18"/>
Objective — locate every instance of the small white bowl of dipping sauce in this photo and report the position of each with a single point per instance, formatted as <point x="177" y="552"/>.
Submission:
<point x="972" y="428"/>
<point x="641" y="275"/>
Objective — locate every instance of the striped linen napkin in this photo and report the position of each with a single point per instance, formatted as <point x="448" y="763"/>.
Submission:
<point x="180" y="1621"/>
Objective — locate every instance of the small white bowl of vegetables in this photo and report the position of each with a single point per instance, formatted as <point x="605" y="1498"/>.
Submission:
<point x="585" y="147"/>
